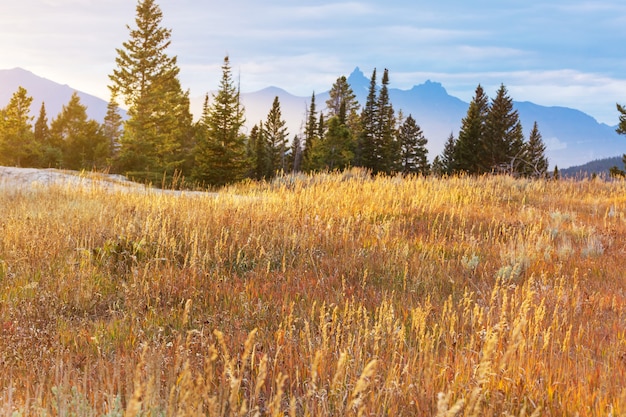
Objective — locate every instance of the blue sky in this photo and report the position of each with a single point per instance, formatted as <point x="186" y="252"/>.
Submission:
<point x="563" y="53"/>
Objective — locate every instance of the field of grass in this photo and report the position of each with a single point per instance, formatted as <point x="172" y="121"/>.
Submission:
<point x="327" y="295"/>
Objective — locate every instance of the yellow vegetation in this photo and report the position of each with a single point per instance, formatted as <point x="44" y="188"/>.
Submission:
<point x="323" y="295"/>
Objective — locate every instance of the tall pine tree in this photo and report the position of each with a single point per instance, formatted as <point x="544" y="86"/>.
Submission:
<point x="48" y="154"/>
<point x="157" y="135"/>
<point x="366" y="143"/>
<point x="468" y="152"/>
<point x="621" y="129"/>
<point x="387" y="148"/>
<point x="535" y="161"/>
<point x="503" y="142"/>
<point x="220" y="152"/>
<point x="310" y="134"/>
<point x="275" y="133"/>
<point x="112" y="126"/>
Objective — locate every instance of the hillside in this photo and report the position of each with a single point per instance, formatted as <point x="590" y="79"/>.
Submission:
<point x="324" y="295"/>
<point x="597" y="167"/>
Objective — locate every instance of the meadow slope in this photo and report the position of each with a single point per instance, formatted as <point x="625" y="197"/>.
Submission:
<point x="332" y="294"/>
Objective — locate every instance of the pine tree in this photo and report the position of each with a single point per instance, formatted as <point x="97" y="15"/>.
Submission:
<point x="535" y="161"/>
<point x="387" y="149"/>
<point x="220" y="152"/>
<point x="621" y="129"/>
<point x="366" y="148"/>
<point x="45" y="153"/>
<point x="310" y="134"/>
<point x="257" y="150"/>
<point x="157" y="135"/>
<point x="275" y="133"/>
<point x="503" y="141"/>
<point x="83" y="144"/>
<point x="448" y="161"/>
<point x="336" y="150"/>
<point x="112" y="126"/>
<point x="295" y="156"/>
<point x="342" y="102"/>
<point x="468" y="155"/>
<point x="413" y="150"/>
<point x="16" y="131"/>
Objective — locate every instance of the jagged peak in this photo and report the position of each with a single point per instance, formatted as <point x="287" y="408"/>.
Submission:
<point x="431" y="87"/>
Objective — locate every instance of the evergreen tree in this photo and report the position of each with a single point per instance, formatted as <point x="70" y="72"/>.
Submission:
<point x="535" y="161"/>
<point x="448" y="161"/>
<point x="220" y="152"/>
<point x="387" y="150"/>
<point x="157" y="135"/>
<point x="503" y="141"/>
<point x="413" y="150"/>
<point x="16" y="131"/>
<point x="46" y="152"/>
<point x="257" y="150"/>
<point x="468" y="155"/>
<point x="366" y="149"/>
<point x="310" y="134"/>
<point x="342" y="102"/>
<point x="336" y="150"/>
<point x="295" y="156"/>
<point x="112" y="126"/>
<point x="83" y="144"/>
<point x="621" y="129"/>
<point x="275" y="133"/>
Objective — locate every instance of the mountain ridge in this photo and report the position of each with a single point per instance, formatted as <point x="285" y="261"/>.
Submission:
<point x="572" y="137"/>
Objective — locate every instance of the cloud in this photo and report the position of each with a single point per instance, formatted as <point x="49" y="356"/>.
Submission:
<point x="562" y="52"/>
<point x="554" y="144"/>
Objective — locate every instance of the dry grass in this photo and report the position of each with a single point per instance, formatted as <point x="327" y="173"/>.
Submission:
<point x="316" y="296"/>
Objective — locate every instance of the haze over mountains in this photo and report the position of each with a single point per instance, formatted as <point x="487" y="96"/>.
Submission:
<point x="571" y="136"/>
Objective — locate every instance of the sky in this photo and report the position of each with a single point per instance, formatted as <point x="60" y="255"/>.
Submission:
<point x="551" y="52"/>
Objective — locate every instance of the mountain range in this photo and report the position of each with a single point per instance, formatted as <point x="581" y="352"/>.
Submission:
<point x="571" y="136"/>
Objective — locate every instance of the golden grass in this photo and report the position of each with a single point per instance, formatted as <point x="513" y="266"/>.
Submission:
<point x="316" y="296"/>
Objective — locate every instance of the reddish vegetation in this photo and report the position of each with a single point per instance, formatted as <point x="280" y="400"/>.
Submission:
<point x="322" y="295"/>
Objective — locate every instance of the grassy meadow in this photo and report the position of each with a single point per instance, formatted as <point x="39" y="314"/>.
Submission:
<point x="325" y="295"/>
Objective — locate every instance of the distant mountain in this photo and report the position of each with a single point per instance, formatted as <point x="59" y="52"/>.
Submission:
<point x="572" y="137"/>
<point x="54" y="95"/>
<point x="597" y="167"/>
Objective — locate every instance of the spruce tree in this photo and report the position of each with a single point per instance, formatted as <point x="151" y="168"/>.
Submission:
<point x="413" y="150"/>
<point x="16" y="130"/>
<point x="257" y="150"/>
<point x="504" y="140"/>
<point x="275" y="133"/>
<point x="45" y="153"/>
<point x="535" y="161"/>
<point x="387" y="149"/>
<point x="336" y="150"/>
<point x="310" y="134"/>
<point x="621" y="129"/>
<point x="112" y="126"/>
<point x="447" y="161"/>
<point x="295" y="156"/>
<point x="342" y="102"/>
<point x="366" y="147"/>
<point x="83" y="143"/>
<point x="157" y="135"/>
<point x="220" y="152"/>
<point x="468" y="155"/>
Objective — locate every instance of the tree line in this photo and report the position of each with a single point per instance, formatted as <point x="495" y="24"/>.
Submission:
<point x="159" y="139"/>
